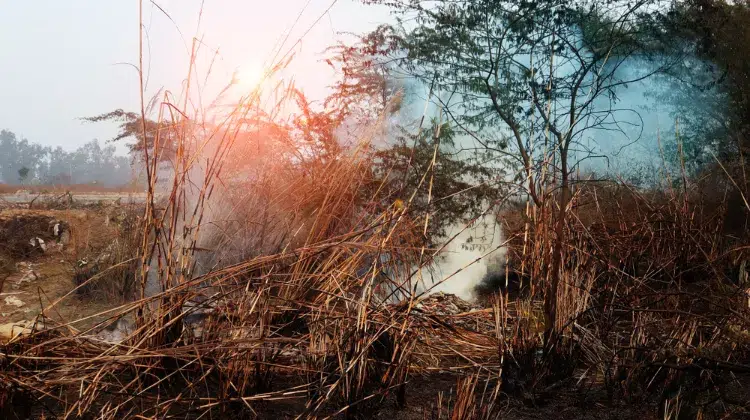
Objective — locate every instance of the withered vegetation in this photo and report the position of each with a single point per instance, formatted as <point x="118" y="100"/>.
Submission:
<point x="276" y="273"/>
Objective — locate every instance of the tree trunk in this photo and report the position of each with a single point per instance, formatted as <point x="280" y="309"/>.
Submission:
<point x="551" y="300"/>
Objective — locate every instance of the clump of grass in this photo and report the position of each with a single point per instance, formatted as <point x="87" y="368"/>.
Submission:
<point x="104" y="254"/>
<point x="649" y="295"/>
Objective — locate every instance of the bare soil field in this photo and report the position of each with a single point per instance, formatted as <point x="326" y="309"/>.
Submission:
<point x="74" y="188"/>
<point x="43" y="251"/>
<point x="66" y="199"/>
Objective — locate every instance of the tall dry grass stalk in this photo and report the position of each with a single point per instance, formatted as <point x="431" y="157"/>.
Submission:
<point x="267" y="275"/>
<point x="263" y="285"/>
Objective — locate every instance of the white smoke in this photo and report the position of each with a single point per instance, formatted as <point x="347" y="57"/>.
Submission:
<point x="197" y="215"/>
<point x="480" y="241"/>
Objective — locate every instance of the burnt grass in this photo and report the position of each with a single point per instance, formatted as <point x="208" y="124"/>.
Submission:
<point x="655" y="324"/>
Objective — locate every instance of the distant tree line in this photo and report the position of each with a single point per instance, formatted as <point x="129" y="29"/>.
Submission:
<point x="90" y="163"/>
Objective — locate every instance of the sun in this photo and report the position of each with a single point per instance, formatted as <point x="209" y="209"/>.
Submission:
<point x="249" y="77"/>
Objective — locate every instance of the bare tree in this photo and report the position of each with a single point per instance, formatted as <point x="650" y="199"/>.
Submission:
<point x="527" y="80"/>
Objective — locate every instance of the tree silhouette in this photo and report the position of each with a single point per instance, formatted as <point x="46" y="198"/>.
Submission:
<point x="23" y="173"/>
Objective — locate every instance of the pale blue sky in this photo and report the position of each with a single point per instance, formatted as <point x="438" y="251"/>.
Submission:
<point x="59" y="59"/>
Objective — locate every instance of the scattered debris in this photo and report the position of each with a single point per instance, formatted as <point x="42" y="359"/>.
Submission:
<point x="117" y="332"/>
<point x="445" y="304"/>
<point x="12" y="330"/>
<point x="31" y="234"/>
<point x="60" y="232"/>
<point x="37" y="242"/>
<point x="14" y="301"/>
<point x="28" y="277"/>
<point x="28" y="274"/>
<point x="110" y="202"/>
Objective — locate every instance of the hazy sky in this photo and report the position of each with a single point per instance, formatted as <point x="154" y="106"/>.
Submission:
<point x="61" y="60"/>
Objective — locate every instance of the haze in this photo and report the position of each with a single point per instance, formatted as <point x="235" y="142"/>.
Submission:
<point x="66" y="60"/>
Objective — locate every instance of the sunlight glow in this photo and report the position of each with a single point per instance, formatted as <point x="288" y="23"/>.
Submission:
<point x="249" y="77"/>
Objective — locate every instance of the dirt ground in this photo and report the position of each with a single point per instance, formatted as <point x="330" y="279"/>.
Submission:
<point x="30" y="282"/>
<point x="75" y="188"/>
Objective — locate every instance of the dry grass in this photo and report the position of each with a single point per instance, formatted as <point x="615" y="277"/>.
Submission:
<point x="652" y="309"/>
<point x="309" y="318"/>
<point x="271" y="294"/>
<point x="300" y="319"/>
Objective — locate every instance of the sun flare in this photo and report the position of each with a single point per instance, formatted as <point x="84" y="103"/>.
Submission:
<point x="250" y="77"/>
